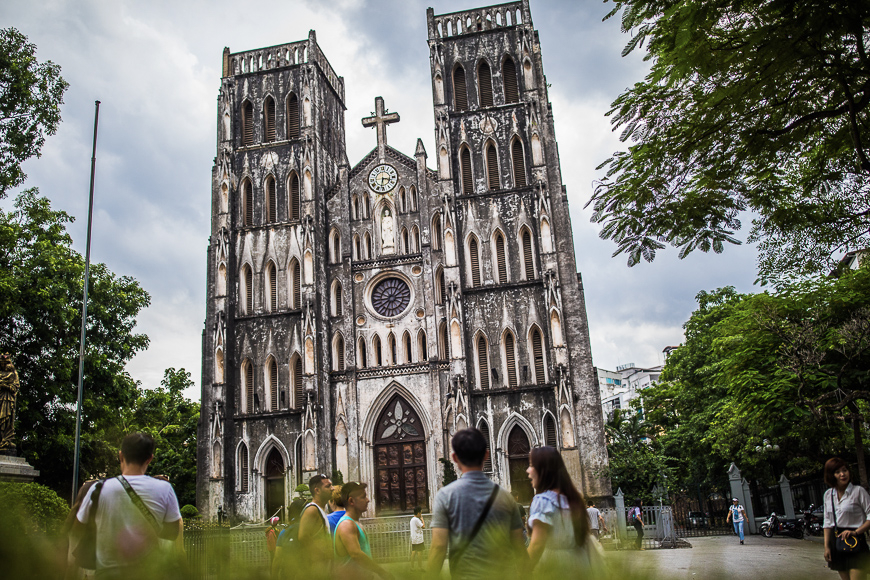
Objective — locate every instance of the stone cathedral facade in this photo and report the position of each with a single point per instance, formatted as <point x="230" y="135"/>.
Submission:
<point x="359" y="315"/>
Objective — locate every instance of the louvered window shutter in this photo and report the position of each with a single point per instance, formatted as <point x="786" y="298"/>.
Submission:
<point x="443" y="343"/>
<point x="492" y="167"/>
<point x="363" y="356"/>
<point x="550" y="431"/>
<point x="501" y="259"/>
<point x="519" y="164"/>
<point x="294" y="197"/>
<point x="484" y="79"/>
<point x="409" y="354"/>
<point x="528" y="259"/>
<point x="421" y="344"/>
<point x="509" y="77"/>
<point x="510" y="359"/>
<point x="247" y="123"/>
<point x="273" y="288"/>
<point x="273" y="384"/>
<point x="538" y="354"/>
<point x="339" y="347"/>
<point x="467" y="180"/>
<point x="297" y="286"/>
<point x="249" y="291"/>
<point x="338" y="305"/>
<point x="459" y="91"/>
<point x="482" y="363"/>
<point x="248" y="203"/>
<point x="298" y="390"/>
<point x="243" y="467"/>
<point x="379" y="359"/>
<point x="484" y="430"/>
<point x="272" y="200"/>
<point x="436" y="233"/>
<point x="475" y="262"/>
<point x="270" y="119"/>
<point x="249" y="386"/>
<point x="394" y="358"/>
<point x="293" y="117"/>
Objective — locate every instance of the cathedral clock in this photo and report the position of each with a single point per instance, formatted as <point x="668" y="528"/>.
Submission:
<point x="383" y="178"/>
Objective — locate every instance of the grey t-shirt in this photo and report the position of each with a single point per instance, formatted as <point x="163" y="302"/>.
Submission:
<point x="457" y="508"/>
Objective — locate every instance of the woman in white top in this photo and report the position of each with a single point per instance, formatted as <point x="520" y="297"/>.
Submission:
<point x="560" y="527"/>
<point x="847" y="516"/>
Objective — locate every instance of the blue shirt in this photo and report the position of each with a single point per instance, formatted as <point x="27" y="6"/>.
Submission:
<point x="333" y="520"/>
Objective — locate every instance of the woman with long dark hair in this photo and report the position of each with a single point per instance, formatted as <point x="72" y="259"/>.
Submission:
<point x="847" y="518"/>
<point x="560" y="525"/>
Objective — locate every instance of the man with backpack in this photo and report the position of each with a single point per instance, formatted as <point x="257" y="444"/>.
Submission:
<point x="635" y="518"/>
<point x="314" y="537"/>
<point x="286" y="553"/>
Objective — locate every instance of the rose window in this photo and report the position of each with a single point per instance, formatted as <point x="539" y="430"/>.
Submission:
<point x="391" y="297"/>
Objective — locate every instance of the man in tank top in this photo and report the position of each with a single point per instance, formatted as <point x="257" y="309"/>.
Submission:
<point x="353" y="555"/>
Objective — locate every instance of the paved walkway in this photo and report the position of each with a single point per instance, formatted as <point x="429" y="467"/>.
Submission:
<point x="759" y="558"/>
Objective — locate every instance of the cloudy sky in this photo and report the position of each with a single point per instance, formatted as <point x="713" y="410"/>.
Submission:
<point x="156" y="68"/>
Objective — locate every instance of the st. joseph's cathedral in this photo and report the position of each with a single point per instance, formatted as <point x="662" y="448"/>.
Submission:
<point x="359" y="315"/>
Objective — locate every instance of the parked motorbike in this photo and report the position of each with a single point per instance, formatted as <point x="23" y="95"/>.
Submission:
<point x="782" y="527"/>
<point x="813" y="521"/>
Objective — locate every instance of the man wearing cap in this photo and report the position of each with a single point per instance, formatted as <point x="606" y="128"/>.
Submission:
<point x="737" y="515"/>
<point x="314" y="538"/>
<point x="353" y="555"/>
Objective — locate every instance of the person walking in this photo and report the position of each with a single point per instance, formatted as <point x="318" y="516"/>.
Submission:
<point x="635" y="518"/>
<point x="314" y="538"/>
<point x="132" y="512"/>
<point x="338" y="510"/>
<point x="351" y="549"/>
<point x="477" y="519"/>
<point x="737" y="515"/>
<point x="272" y="537"/>
<point x="596" y="522"/>
<point x="560" y="540"/>
<point x="847" y="518"/>
<point x="417" y="524"/>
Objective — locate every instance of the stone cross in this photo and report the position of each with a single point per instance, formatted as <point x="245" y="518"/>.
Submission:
<point x="380" y="119"/>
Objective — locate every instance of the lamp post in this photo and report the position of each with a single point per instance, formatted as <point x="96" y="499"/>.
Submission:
<point x="766" y="449"/>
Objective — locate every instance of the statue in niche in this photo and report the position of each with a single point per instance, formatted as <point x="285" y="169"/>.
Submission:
<point x="388" y="239"/>
<point x="9" y="387"/>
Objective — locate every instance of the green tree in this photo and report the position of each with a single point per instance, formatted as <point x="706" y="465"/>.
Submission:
<point x="636" y="464"/>
<point x="748" y="106"/>
<point x="30" y="97"/>
<point x="40" y="320"/>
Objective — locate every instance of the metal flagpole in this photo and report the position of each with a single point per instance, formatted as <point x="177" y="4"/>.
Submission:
<point x="75" y="481"/>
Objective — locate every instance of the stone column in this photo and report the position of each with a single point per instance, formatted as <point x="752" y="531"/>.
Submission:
<point x="787" y="502"/>
<point x="619" y="500"/>
<point x="740" y="490"/>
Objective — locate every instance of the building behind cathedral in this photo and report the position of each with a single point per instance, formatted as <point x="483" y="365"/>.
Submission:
<point x="358" y="316"/>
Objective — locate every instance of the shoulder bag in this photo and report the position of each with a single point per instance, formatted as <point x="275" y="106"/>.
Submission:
<point x="457" y="556"/>
<point x="85" y="552"/>
<point x="848" y="545"/>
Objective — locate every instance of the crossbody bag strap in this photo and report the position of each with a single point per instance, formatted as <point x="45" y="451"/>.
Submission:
<point x="95" y="501"/>
<point x="834" y="511"/>
<point x="477" y="525"/>
<point x="137" y="501"/>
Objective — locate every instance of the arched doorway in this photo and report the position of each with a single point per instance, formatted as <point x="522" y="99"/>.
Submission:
<point x="400" y="459"/>
<point x="275" y="484"/>
<point x="518" y="449"/>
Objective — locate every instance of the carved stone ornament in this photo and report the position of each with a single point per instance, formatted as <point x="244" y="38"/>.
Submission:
<point x="9" y="387"/>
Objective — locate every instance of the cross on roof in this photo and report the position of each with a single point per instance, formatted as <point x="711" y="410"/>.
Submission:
<point x="380" y="119"/>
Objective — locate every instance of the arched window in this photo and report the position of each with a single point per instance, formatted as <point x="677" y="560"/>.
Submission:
<point x="356" y="247"/>
<point x="247" y="203"/>
<point x="550" y="431"/>
<point x="269" y="119"/>
<point x="465" y="167"/>
<point x="440" y="286"/>
<point x="248" y="384"/>
<point x="247" y="123"/>
<point x="528" y="256"/>
<point x="354" y="206"/>
<point x="335" y="247"/>
<point x="483" y="426"/>
<point x="482" y="362"/>
<point x="403" y="201"/>
<point x="337" y="306"/>
<point x="484" y="84"/>
<point x="509" y="78"/>
<point x="271" y="201"/>
<point x="491" y="167"/>
<point x="272" y="285"/>
<point x="368" y="239"/>
<point x="436" y="232"/>
<point x="222" y="280"/>
<point x="243" y="468"/>
<point x="501" y="275"/>
<point x="537" y="352"/>
<point x="443" y="343"/>
<point x="376" y="347"/>
<point x="225" y="198"/>
<point x="406" y="343"/>
<point x="394" y="354"/>
<point x="296" y="381"/>
<point x="365" y="205"/>
<point x="519" y="163"/>
<point x="415" y="240"/>
<point x="460" y="93"/>
<point x="361" y="354"/>
<point x="216" y="460"/>
<point x="295" y="284"/>
<point x="510" y="359"/>
<point x="422" y="349"/>
<point x="219" y="366"/>
<point x="406" y="241"/>
<point x="248" y="286"/>
<point x="272" y="372"/>
<point x="412" y="198"/>
<point x="293" y="188"/>
<point x="338" y="350"/>
<point x="293" y="117"/>
<point x="474" y="261"/>
<point x="518" y="449"/>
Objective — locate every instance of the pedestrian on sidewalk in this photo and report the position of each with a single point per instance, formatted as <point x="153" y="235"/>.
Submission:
<point x="737" y="515"/>
<point x="417" y="524"/>
<point x="314" y="538"/>
<point x="847" y="518"/>
<point x="635" y="518"/>
<point x="272" y="537"/>
<point x="352" y="552"/>
<point x="477" y="519"/>
<point x="596" y="522"/>
<point x="338" y="509"/>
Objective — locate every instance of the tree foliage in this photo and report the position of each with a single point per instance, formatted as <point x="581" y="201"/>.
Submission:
<point x="32" y="508"/>
<point x="635" y="459"/>
<point x="30" y="97"/>
<point x="748" y="106"/>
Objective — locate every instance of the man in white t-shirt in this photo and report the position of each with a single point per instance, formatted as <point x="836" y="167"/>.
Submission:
<point x="130" y="522"/>
<point x="737" y="515"/>
<point x="596" y="522"/>
<point x="417" y="546"/>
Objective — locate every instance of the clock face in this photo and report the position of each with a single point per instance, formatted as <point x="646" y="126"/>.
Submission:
<point x="383" y="178"/>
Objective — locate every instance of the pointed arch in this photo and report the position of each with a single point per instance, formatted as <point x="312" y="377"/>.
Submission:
<point x="509" y="356"/>
<point x="439" y="89"/>
<point x="518" y="444"/>
<point x="415" y="239"/>
<point x="412" y="198"/>
<point x="407" y="347"/>
<point x="556" y="328"/>
<point x="499" y="245"/>
<point x="271" y="287"/>
<point x="365" y="205"/>
<point x="483" y="427"/>
<point x="378" y="351"/>
<point x="465" y="170"/>
<point x="481" y="348"/>
<point x="307" y="184"/>
<point x="519" y="162"/>
<point x="247" y="382"/>
<point x="337" y="302"/>
<point x="269" y="119"/>
<point x="484" y="84"/>
<point x="455" y="338"/>
<point x="247" y="123"/>
<point x="296" y="380"/>
<point x="537" y="150"/>
<point x="422" y="346"/>
<point x="509" y="79"/>
<point x="247" y="203"/>
<point x="338" y="352"/>
<point x="295" y="293"/>
<point x="219" y="366"/>
<point x="306" y="112"/>
<point x="474" y="273"/>
<point x="443" y="342"/>
<point x="335" y="246"/>
<point x="269" y="445"/>
<point x="394" y="349"/>
<point x="567" y="428"/>
<point x="528" y="253"/>
<point x="436" y="232"/>
<point x="354" y="207"/>
<point x="491" y="160"/>
<point x="216" y="463"/>
<point x="368" y="240"/>
<point x="357" y="248"/>
<point x="406" y="241"/>
<point x="307" y="268"/>
<point x="295" y="201"/>
<point x="272" y="381"/>
<point x="224" y="198"/>
<point x="221" y="289"/>
<point x="361" y="354"/>
<point x="293" y="131"/>
<point x="443" y="163"/>
<point x="546" y="236"/>
<point x="248" y="290"/>
<point x="440" y="285"/>
<point x="402" y="200"/>
<point x="449" y="248"/>
<point x="460" y="91"/>
<point x="244" y="474"/>
<point x="536" y="355"/>
<point x="549" y="430"/>
<point x="309" y="365"/>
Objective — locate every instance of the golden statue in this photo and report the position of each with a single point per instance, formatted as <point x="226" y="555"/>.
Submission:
<point x="8" y="393"/>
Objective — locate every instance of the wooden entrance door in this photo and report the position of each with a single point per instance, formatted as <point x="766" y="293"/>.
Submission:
<point x="400" y="459"/>
<point x="518" y="449"/>
<point x="275" y="484"/>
